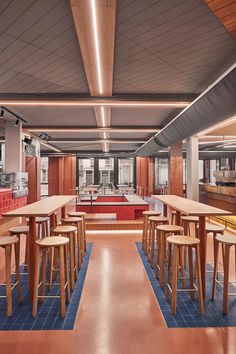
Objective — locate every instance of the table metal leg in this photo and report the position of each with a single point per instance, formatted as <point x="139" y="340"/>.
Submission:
<point x="32" y="254"/>
<point x="164" y="209"/>
<point x="178" y="218"/>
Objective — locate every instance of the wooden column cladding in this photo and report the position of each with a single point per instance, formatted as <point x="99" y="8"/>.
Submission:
<point x="142" y="174"/>
<point x="206" y="171"/>
<point x="32" y="166"/>
<point x="151" y="175"/>
<point x="175" y="183"/>
<point x="61" y="175"/>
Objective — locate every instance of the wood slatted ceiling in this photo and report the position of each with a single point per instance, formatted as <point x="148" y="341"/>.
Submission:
<point x="38" y="48"/>
<point x="225" y="10"/>
<point x="167" y="46"/>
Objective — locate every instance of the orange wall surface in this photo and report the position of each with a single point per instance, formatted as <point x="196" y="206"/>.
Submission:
<point x="145" y="174"/>
<point x="32" y="166"/>
<point x="61" y="175"/>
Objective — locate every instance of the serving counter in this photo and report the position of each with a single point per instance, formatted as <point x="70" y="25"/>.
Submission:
<point x="223" y="197"/>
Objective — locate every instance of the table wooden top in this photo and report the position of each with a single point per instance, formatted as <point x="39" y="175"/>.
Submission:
<point x="44" y="207"/>
<point x="190" y="207"/>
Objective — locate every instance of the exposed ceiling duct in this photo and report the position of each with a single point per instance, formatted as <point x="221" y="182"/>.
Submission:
<point x="210" y="155"/>
<point x="214" y="105"/>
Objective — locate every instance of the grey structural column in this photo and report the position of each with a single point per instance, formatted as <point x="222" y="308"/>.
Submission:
<point x="192" y="155"/>
<point x="13" y="147"/>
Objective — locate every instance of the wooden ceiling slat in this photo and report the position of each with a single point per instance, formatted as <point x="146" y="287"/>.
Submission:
<point x="225" y="10"/>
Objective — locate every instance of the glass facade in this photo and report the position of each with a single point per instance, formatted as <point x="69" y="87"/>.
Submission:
<point x="86" y="172"/>
<point x="126" y="171"/>
<point x="106" y="171"/>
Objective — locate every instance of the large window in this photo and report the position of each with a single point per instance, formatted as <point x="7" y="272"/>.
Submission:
<point x="44" y="176"/>
<point x="106" y="171"/>
<point x="126" y="171"/>
<point x="161" y="172"/>
<point x="86" y="172"/>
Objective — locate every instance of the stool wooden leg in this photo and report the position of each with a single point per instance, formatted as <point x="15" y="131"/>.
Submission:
<point x="44" y="270"/>
<point x="47" y="228"/>
<point x="36" y="282"/>
<point x="8" y="280"/>
<point x="182" y="263"/>
<point x="67" y="273"/>
<point x="144" y="233"/>
<point x="85" y="247"/>
<point x="153" y="245"/>
<point x="168" y="271"/>
<point x="62" y="282"/>
<point x="149" y="240"/>
<point x="51" y="265"/>
<point x="199" y="278"/>
<point x="174" y="279"/>
<point x="191" y="276"/>
<point x="216" y="255"/>
<point x="72" y="261"/>
<point x="161" y="258"/>
<point x="226" y="279"/>
<point x="17" y="265"/>
<point x="79" y="243"/>
<point x="26" y="249"/>
<point x="76" y="263"/>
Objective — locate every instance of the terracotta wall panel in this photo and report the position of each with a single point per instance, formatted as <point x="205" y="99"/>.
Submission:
<point x="32" y="166"/>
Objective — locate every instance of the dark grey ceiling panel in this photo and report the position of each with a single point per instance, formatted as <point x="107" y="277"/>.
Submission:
<point x="168" y="46"/>
<point x="39" y="49"/>
<point x="56" y="116"/>
<point x="139" y="116"/>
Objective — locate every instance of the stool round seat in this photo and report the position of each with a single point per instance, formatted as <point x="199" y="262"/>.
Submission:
<point x="63" y="229"/>
<point x="183" y="240"/>
<point x="158" y="218"/>
<point x="8" y="240"/>
<point x="38" y="219"/>
<point x="151" y="212"/>
<point x="72" y="220"/>
<point x="228" y="239"/>
<point x="17" y="230"/>
<point x="214" y="228"/>
<point x="78" y="214"/>
<point x="52" y="241"/>
<point x="170" y="228"/>
<point x="194" y="219"/>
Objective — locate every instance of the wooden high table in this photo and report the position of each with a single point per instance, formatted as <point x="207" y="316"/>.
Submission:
<point x="43" y="208"/>
<point x="192" y="208"/>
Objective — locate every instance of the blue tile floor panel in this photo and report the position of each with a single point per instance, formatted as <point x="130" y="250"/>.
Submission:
<point x="48" y="312"/>
<point x="188" y="314"/>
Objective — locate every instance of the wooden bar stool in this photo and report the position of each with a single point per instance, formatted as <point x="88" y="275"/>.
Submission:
<point x="42" y="226"/>
<point x="226" y="241"/>
<point x="162" y="232"/>
<point x="186" y="223"/>
<point x="146" y="215"/>
<point x="80" y="214"/>
<point x="154" y="221"/>
<point x="78" y="222"/>
<point x="42" y="246"/>
<point x="18" y="231"/>
<point x="178" y="242"/>
<point x="7" y="242"/>
<point x="214" y="230"/>
<point x="69" y="232"/>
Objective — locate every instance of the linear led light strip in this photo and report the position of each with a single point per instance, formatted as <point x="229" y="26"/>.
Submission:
<point x="90" y="103"/>
<point x="50" y="146"/>
<point x="96" y="43"/>
<point x="93" y="130"/>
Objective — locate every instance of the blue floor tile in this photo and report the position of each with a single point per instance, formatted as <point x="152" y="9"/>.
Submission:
<point x="48" y="312"/>
<point x="188" y="314"/>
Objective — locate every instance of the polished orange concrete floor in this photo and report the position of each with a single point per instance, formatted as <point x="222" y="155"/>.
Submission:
<point x="118" y="313"/>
